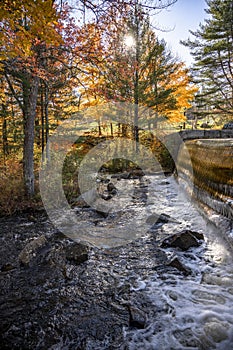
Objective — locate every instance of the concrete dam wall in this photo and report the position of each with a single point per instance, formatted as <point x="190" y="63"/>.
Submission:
<point x="207" y="170"/>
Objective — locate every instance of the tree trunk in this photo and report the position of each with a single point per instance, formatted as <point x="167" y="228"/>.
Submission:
<point x="30" y="93"/>
<point x="136" y="80"/>
<point x="124" y="130"/>
<point x="42" y="119"/>
<point x="111" y="129"/>
<point x="4" y="132"/>
<point x="37" y="130"/>
<point x="99" y="128"/>
<point x="46" y="114"/>
<point x="118" y="129"/>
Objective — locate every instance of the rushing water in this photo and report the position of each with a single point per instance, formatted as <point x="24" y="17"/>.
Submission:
<point x="182" y="312"/>
<point x="125" y="297"/>
<point x="195" y="311"/>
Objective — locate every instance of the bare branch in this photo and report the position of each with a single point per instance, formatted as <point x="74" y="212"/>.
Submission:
<point x="13" y="91"/>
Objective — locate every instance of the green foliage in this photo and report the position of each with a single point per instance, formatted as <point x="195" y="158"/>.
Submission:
<point x="212" y="50"/>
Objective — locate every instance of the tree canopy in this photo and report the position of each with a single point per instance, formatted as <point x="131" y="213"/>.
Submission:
<point x="212" y="50"/>
<point x="57" y="58"/>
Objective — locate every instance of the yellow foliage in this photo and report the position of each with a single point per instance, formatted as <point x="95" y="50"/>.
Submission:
<point x="23" y="24"/>
<point x="183" y="92"/>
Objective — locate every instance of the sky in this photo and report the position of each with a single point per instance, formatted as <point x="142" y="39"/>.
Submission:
<point x="181" y="17"/>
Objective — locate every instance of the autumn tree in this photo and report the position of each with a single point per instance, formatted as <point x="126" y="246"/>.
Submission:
<point x="182" y="92"/>
<point x="212" y="49"/>
<point x="42" y="51"/>
<point x="27" y="28"/>
<point x="139" y="69"/>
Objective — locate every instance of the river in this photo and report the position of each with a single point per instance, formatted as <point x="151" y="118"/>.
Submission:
<point x="124" y="296"/>
<point x="195" y="312"/>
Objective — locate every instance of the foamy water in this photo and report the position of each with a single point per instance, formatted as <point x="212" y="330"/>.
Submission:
<point x="184" y="312"/>
<point x="195" y="311"/>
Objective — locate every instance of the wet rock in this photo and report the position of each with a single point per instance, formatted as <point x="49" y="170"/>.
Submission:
<point x="137" y="318"/>
<point x="119" y="176"/>
<point x="103" y="214"/>
<point x="56" y="256"/>
<point x="164" y="183"/>
<point x="136" y="174"/>
<point x="217" y="280"/>
<point x="103" y="180"/>
<point x="216" y="331"/>
<point x="76" y="253"/>
<point x="80" y="202"/>
<point x="106" y="196"/>
<point x="198" y="235"/>
<point x="188" y="339"/>
<point x="175" y="262"/>
<point x="110" y="192"/>
<point x="160" y="219"/>
<point x="140" y="193"/>
<point x="7" y="267"/>
<point x="111" y="188"/>
<point x="30" y="250"/>
<point x="183" y="240"/>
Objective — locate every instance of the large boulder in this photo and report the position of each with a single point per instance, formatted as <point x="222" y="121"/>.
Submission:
<point x="183" y="240"/>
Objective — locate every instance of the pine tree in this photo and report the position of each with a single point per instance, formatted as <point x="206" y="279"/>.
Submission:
<point x="212" y="50"/>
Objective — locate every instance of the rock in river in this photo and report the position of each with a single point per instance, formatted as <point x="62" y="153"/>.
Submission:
<point x="29" y="251"/>
<point x="160" y="219"/>
<point x="175" y="262"/>
<point x="77" y="253"/>
<point x="137" y="318"/>
<point x="183" y="240"/>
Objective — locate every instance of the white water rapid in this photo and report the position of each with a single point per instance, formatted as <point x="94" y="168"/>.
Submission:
<point x="194" y="311"/>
